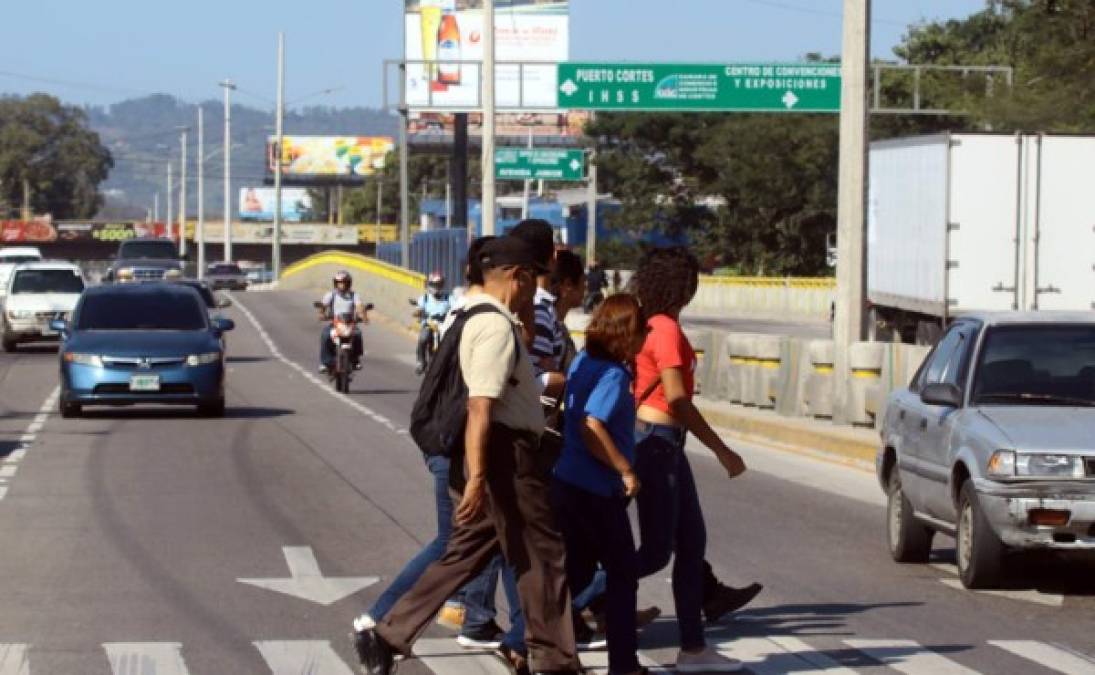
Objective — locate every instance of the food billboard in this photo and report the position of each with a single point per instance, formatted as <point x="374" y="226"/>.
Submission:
<point x="329" y="159"/>
<point x="440" y="35"/>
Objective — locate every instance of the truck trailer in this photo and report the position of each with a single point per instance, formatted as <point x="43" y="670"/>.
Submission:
<point x="975" y="222"/>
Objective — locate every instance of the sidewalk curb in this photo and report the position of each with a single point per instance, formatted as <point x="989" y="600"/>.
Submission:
<point x="854" y="444"/>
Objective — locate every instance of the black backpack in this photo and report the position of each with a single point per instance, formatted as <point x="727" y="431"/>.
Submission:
<point x="440" y="413"/>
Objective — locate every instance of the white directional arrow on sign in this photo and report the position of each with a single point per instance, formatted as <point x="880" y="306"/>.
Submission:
<point x="306" y="582"/>
<point x="575" y="165"/>
<point x="789" y="99"/>
<point x="569" y="88"/>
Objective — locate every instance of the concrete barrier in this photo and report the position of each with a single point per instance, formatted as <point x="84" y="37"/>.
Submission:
<point x="386" y="286"/>
<point x="818" y="395"/>
<point x="764" y="297"/>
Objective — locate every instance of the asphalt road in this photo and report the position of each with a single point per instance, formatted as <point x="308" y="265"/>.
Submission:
<point x="124" y="537"/>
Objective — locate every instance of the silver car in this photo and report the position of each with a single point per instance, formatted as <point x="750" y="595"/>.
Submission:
<point x="994" y="443"/>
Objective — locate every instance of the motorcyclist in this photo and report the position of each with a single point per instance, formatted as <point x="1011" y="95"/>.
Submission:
<point x="596" y="282"/>
<point x="432" y="306"/>
<point x="341" y="300"/>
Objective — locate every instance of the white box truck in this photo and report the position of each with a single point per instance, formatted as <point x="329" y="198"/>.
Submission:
<point x="963" y="222"/>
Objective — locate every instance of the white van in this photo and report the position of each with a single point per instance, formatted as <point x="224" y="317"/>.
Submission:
<point x="11" y="256"/>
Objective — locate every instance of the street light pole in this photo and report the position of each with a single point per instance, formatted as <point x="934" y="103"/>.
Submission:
<point x="487" y="76"/>
<point x="182" y="192"/>
<point x="228" y="87"/>
<point x="851" y="199"/>
<point x="279" y="132"/>
<point x="201" y="193"/>
<point x="170" y="220"/>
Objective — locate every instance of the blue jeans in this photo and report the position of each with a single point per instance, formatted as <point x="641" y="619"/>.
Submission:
<point x="596" y="529"/>
<point x="471" y="595"/>
<point x="480" y="608"/>
<point x="671" y="523"/>
<point x="327" y="348"/>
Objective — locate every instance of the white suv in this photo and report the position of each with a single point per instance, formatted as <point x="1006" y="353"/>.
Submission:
<point x="10" y="256"/>
<point x="38" y="293"/>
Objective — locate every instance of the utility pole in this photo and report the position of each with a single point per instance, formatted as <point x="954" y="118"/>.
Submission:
<point x="487" y="76"/>
<point x="404" y="191"/>
<point x="379" y="202"/>
<point x="26" y="199"/>
<point x="591" y="211"/>
<point x="275" y="257"/>
<point x="201" y="192"/>
<point x="182" y="192"/>
<point x="851" y="198"/>
<point x="169" y="222"/>
<point x="528" y="184"/>
<point x="228" y="87"/>
<point x="156" y="207"/>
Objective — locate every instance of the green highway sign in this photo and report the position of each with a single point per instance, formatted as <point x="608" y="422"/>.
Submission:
<point x="539" y="164"/>
<point x="740" y="87"/>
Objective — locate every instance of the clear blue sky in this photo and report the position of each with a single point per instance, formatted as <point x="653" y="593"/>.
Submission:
<point x="122" y="48"/>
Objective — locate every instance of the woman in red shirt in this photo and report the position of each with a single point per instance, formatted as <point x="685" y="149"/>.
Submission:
<point x="670" y="518"/>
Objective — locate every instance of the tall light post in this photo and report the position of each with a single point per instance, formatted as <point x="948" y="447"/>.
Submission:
<point x="229" y="86"/>
<point x="169" y="222"/>
<point x="275" y="257"/>
<point x="182" y="191"/>
<point x="851" y="198"/>
<point x="487" y="75"/>
<point x="201" y="193"/>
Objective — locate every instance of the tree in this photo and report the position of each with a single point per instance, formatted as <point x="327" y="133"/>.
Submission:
<point x="48" y="146"/>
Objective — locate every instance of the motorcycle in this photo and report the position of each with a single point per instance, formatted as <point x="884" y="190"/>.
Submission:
<point x="343" y="327"/>
<point x="434" y="324"/>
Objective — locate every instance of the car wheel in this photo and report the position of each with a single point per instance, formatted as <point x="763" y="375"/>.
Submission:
<point x="215" y="409"/>
<point x="980" y="552"/>
<point x="910" y="541"/>
<point x="70" y="410"/>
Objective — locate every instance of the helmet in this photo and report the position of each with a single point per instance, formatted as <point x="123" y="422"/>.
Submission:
<point x="436" y="280"/>
<point x="342" y="275"/>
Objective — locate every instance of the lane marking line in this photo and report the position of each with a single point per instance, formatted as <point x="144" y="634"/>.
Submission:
<point x="293" y="657"/>
<point x="139" y="658"/>
<point x="10" y="464"/>
<point x="314" y="379"/>
<point x="1047" y="599"/>
<point x="13" y="659"/>
<point x="909" y="657"/>
<point x="1053" y="657"/>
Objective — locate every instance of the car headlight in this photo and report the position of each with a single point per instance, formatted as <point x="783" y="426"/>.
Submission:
<point x="84" y="359"/>
<point x="19" y="314"/>
<point x="1049" y="466"/>
<point x="205" y="359"/>
<point x="1010" y="464"/>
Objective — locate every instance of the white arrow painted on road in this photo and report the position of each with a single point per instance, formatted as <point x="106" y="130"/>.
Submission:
<point x="145" y="658"/>
<point x="790" y="100"/>
<point x="13" y="660"/>
<point x="569" y="88"/>
<point x="294" y="657"/>
<point x="307" y="583"/>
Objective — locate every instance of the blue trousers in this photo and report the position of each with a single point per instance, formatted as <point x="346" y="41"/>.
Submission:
<point x="327" y="348"/>
<point x="478" y="594"/>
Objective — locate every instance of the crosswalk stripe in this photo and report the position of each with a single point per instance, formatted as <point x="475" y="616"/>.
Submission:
<point x="780" y="655"/>
<point x="444" y="657"/>
<point x="302" y="657"/>
<point x="596" y="663"/>
<point x="1048" y="656"/>
<point x="145" y="658"/>
<point x="909" y="657"/>
<point x="1036" y="597"/>
<point x="13" y="660"/>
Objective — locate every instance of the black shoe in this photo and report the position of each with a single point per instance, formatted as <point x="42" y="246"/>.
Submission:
<point x="486" y="637"/>
<point x="726" y="599"/>
<point x="374" y="653"/>
<point x="516" y="663"/>
<point x="585" y="638"/>
<point x="357" y="365"/>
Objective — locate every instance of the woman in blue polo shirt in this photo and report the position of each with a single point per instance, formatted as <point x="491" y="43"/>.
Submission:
<point x="594" y="479"/>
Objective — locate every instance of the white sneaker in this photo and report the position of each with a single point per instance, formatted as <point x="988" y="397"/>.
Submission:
<point x="707" y="661"/>
<point x="364" y="623"/>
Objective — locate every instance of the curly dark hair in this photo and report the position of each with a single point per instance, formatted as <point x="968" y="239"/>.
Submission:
<point x="666" y="280"/>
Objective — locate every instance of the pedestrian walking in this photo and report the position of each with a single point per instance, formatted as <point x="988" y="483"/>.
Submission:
<point x="670" y="518"/>
<point x="505" y="505"/>
<point x="595" y="477"/>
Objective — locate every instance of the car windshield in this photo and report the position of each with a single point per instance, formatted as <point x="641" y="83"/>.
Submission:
<point x="224" y="269"/>
<point x="46" y="281"/>
<point x="160" y="250"/>
<point x="1037" y="365"/>
<point x="207" y="295"/>
<point x="141" y="311"/>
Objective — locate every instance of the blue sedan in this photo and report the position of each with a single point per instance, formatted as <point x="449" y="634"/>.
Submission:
<point x="142" y="343"/>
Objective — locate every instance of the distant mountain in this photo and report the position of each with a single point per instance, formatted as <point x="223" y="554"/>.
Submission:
<point x="143" y="135"/>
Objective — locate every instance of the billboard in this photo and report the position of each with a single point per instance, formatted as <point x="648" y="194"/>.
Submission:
<point x="257" y="204"/>
<point x="329" y="159"/>
<point x="108" y="232"/>
<point x="38" y="230"/>
<point x="292" y="233"/>
<point x="449" y="31"/>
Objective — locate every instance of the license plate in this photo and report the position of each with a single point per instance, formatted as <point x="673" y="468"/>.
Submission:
<point x="144" y="383"/>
